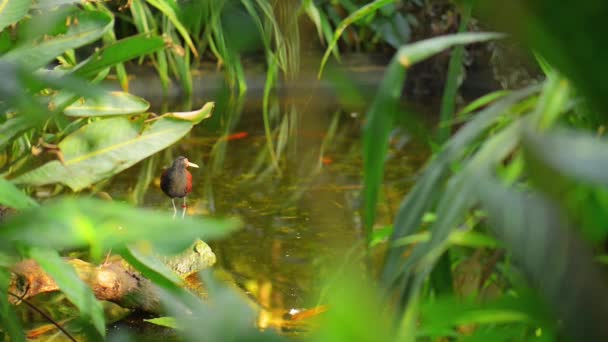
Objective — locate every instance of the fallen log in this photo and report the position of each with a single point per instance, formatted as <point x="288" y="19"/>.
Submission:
<point x="115" y="281"/>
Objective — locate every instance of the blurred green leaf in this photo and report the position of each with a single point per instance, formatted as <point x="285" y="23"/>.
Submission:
<point x="420" y="199"/>
<point x="107" y="104"/>
<point x="8" y="319"/>
<point x="36" y="54"/>
<point x="587" y="155"/>
<point x="540" y="239"/>
<point x="70" y="284"/>
<point x="13" y="197"/>
<point x="11" y="11"/>
<point x="104" y="148"/>
<point x="73" y="223"/>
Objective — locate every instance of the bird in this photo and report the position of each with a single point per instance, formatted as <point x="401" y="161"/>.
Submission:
<point x="176" y="181"/>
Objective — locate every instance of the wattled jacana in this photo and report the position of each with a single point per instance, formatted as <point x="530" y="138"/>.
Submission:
<point x="176" y="182"/>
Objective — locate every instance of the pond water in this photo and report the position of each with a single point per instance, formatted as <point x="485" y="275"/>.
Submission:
<point x="301" y="216"/>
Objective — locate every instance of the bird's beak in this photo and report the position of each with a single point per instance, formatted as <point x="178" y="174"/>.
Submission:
<point x="192" y="165"/>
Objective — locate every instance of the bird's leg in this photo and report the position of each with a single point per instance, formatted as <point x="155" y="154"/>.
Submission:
<point x="184" y="207"/>
<point x="174" y="208"/>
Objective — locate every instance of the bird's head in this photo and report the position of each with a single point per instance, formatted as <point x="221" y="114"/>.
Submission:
<point x="182" y="162"/>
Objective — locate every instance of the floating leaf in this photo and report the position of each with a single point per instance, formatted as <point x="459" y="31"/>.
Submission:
<point x="108" y="103"/>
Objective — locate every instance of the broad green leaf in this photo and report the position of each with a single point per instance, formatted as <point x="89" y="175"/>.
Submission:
<point x="11" y="11"/>
<point x="120" y="51"/>
<point x="70" y="284"/>
<point x="11" y="196"/>
<point x="79" y="223"/>
<point x="104" y="148"/>
<point x="165" y="321"/>
<point x="108" y="103"/>
<point x="9" y="321"/>
<point x="36" y="54"/>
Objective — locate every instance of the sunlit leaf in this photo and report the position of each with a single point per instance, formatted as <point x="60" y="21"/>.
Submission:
<point x="165" y="321"/>
<point x="107" y="104"/>
<point x="104" y="148"/>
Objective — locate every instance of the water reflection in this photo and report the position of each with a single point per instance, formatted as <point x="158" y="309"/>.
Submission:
<point x="301" y="214"/>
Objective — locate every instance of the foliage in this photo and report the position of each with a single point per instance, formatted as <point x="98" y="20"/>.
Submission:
<point x="522" y="176"/>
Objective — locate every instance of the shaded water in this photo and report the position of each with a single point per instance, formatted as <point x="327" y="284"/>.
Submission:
<point x="300" y="218"/>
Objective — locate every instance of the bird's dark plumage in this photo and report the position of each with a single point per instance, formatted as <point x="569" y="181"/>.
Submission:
<point x="176" y="181"/>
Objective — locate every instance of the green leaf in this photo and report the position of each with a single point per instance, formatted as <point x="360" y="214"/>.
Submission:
<point x="70" y="284"/>
<point x="540" y="239"/>
<point x="419" y="51"/>
<point x="13" y="197"/>
<point x="11" y="11"/>
<point x="353" y="17"/>
<point x="9" y="320"/>
<point x="104" y="148"/>
<point x="587" y="155"/>
<point x="120" y="51"/>
<point x="420" y="199"/>
<point x="108" y="103"/>
<point x="170" y="12"/>
<point x="79" y="223"/>
<point x="38" y="53"/>
<point x="169" y="322"/>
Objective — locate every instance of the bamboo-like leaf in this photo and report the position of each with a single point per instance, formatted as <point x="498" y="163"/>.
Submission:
<point x="170" y="13"/>
<point x="35" y="54"/>
<point x="104" y="148"/>
<point x="11" y="11"/>
<point x="587" y="158"/>
<point x="107" y="104"/>
<point x="353" y="17"/>
<point x="540" y="239"/>
<point x="13" y="197"/>
<point x="72" y="286"/>
<point x="421" y="197"/>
